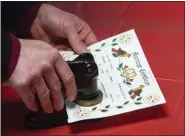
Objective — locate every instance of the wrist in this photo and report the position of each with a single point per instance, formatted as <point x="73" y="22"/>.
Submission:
<point x="15" y="53"/>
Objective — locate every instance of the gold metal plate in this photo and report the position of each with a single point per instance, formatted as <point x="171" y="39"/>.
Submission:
<point x="92" y="102"/>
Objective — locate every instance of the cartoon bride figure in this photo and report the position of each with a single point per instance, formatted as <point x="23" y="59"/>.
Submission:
<point x="129" y="73"/>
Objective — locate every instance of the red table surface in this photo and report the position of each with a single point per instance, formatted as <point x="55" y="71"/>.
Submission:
<point x="160" y="29"/>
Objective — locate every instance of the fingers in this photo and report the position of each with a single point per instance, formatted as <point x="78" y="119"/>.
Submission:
<point x="28" y="98"/>
<point x="54" y="85"/>
<point x="67" y="78"/>
<point x="38" y="33"/>
<point x="90" y="38"/>
<point x="80" y="36"/>
<point x="61" y="47"/>
<point x="43" y="94"/>
<point x="87" y="35"/>
<point x="69" y="49"/>
<point x="75" y="41"/>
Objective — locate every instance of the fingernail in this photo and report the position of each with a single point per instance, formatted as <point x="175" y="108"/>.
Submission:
<point x="34" y="107"/>
<point x="50" y="110"/>
<point x="72" y="97"/>
<point x="61" y="105"/>
<point x="85" y="50"/>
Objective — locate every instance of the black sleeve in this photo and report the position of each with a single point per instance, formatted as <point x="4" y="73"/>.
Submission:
<point x="6" y="50"/>
<point x="12" y="13"/>
<point x="12" y="16"/>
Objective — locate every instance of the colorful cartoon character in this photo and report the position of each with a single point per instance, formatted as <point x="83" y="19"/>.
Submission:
<point x="136" y="92"/>
<point x="120" y="53"/>
<point x="128" y="73"/>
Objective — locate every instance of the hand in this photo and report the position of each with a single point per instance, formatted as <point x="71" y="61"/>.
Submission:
<point x="42" y="67"/>
<point x="52" y="24"/>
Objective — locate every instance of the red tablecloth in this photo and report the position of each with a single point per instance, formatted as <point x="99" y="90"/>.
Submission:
<point x="160" y="29"/>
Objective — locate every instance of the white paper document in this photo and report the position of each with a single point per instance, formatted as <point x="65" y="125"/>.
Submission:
<point x="125" y="79"/>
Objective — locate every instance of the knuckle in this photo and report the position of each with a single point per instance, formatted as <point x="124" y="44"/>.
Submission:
<point x="45" y="94"/>
<point x="34" y="74"/>
<point x="69" y="78"/>
<point x="22" y="83"/>
<point x="68" y="25"/>
<point x="57" y="87"/>
<point x="55" y="53"/>
<point x="46" y="65"/>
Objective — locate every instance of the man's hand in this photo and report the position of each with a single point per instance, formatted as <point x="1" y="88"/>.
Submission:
<point x="53" y="24"/>
<point x="42" y="67"/>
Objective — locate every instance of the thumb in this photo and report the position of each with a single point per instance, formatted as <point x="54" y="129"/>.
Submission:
<point x="75" y="41"/>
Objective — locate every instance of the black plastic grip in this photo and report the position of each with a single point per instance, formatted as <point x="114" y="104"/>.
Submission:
<point x="85" y="71"/>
